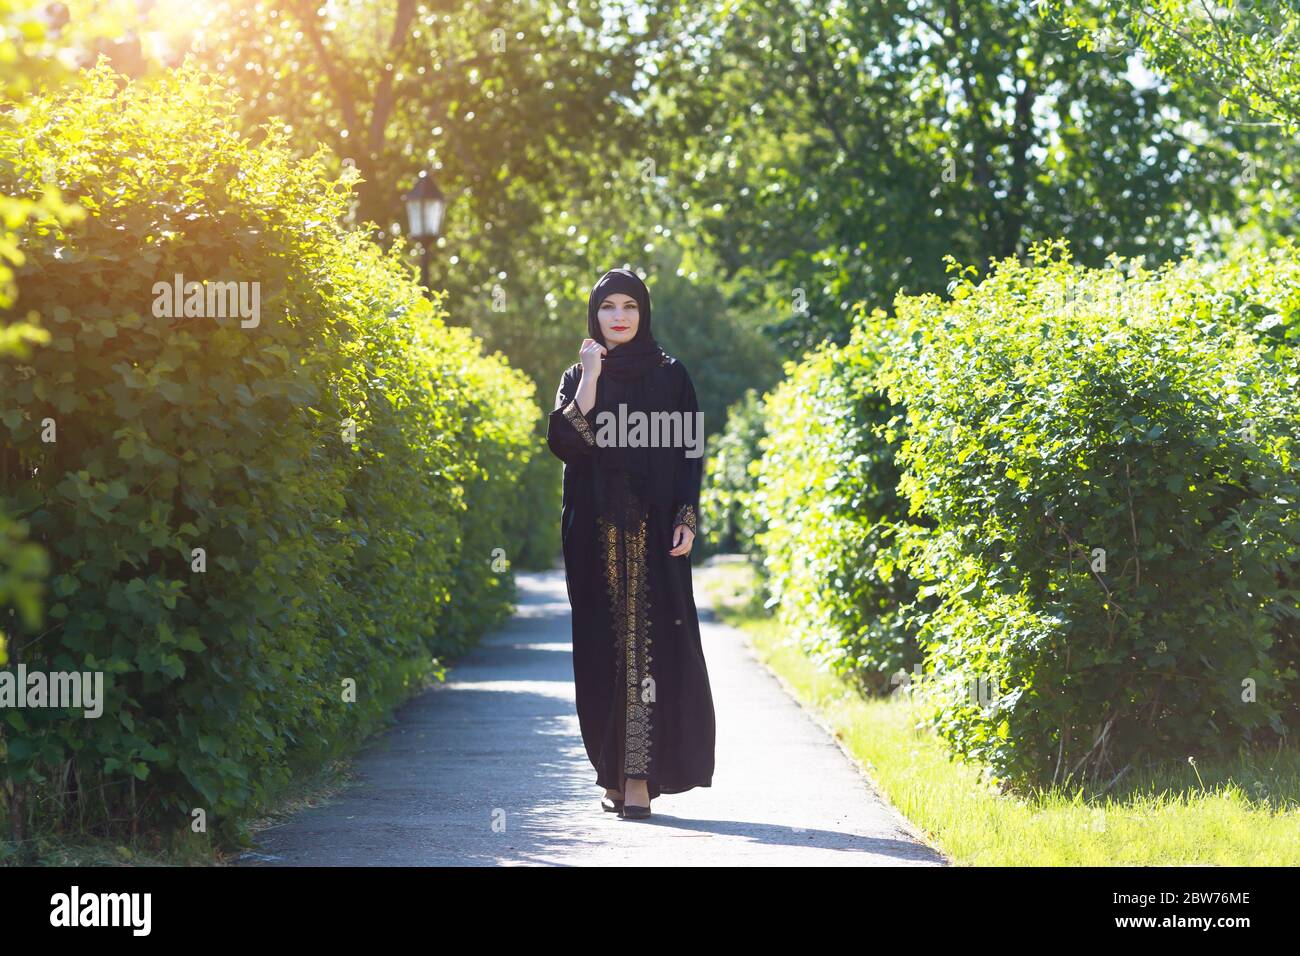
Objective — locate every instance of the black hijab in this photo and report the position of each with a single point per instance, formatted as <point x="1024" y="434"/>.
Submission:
<point x="624" y="379"/>
<point x="633" y="359"/>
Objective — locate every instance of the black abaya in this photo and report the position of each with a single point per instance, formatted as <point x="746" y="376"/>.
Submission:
<point x="644" y="704"/>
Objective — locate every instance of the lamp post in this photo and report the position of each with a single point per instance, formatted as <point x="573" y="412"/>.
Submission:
<point x="425" y="205"/>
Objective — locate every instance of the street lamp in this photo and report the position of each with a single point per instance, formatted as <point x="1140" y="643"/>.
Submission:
<point x="425" y="205"/>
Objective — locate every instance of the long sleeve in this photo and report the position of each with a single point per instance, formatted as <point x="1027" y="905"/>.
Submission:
<point x="689" y="471"/>
<point x="569" y="432"/>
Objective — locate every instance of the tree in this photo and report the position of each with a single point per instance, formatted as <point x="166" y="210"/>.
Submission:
<point x="836" y="155"/>
<point x="520" y="109"/>
<point x="1244" y="52"/>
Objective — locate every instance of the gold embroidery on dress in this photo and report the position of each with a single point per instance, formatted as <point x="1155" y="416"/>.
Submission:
<point x="686" y="516"/>
<point x="625" y="579"/>
<point x="579" y="421"/>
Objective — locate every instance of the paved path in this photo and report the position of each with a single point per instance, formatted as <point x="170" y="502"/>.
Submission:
<point x="489" y="769"/>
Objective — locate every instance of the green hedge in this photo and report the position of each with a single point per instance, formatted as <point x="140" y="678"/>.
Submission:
<point x="1109" y="458"/>
<point x="346" y="464"/>
<point x="1096" y="486"/>
<point x="23" y="565"/>
<point x="726" y="507"/>
<point x="826" y="496"/>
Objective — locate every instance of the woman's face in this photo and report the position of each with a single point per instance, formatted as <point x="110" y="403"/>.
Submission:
<point x="619" y="318"/>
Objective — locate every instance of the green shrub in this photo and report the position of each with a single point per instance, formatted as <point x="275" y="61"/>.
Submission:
<point x="729" y="480"/>
<point x="501" y="443"/>
<point x="534" y="524"/>
<point x="23" y="565"/>
<point x="827" y="498"/>
<point x="336" y="461"/>
<point x="1054" y="413"/>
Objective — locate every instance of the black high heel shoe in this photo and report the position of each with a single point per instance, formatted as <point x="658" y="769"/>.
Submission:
<point x="633" y="812"/>
<point x="611" y="804"/>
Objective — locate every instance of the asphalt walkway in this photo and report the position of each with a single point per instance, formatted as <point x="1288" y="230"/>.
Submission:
<point x="489" y="769"/>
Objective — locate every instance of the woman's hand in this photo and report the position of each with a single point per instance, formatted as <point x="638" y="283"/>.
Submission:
<point x="591" y="355"/>
<point x="683" y="538"/>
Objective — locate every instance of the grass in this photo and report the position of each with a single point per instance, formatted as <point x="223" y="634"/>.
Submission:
<point x="1239" y="813"/>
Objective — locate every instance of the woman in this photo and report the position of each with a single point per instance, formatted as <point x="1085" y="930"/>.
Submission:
<point x="627" y="526"/>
